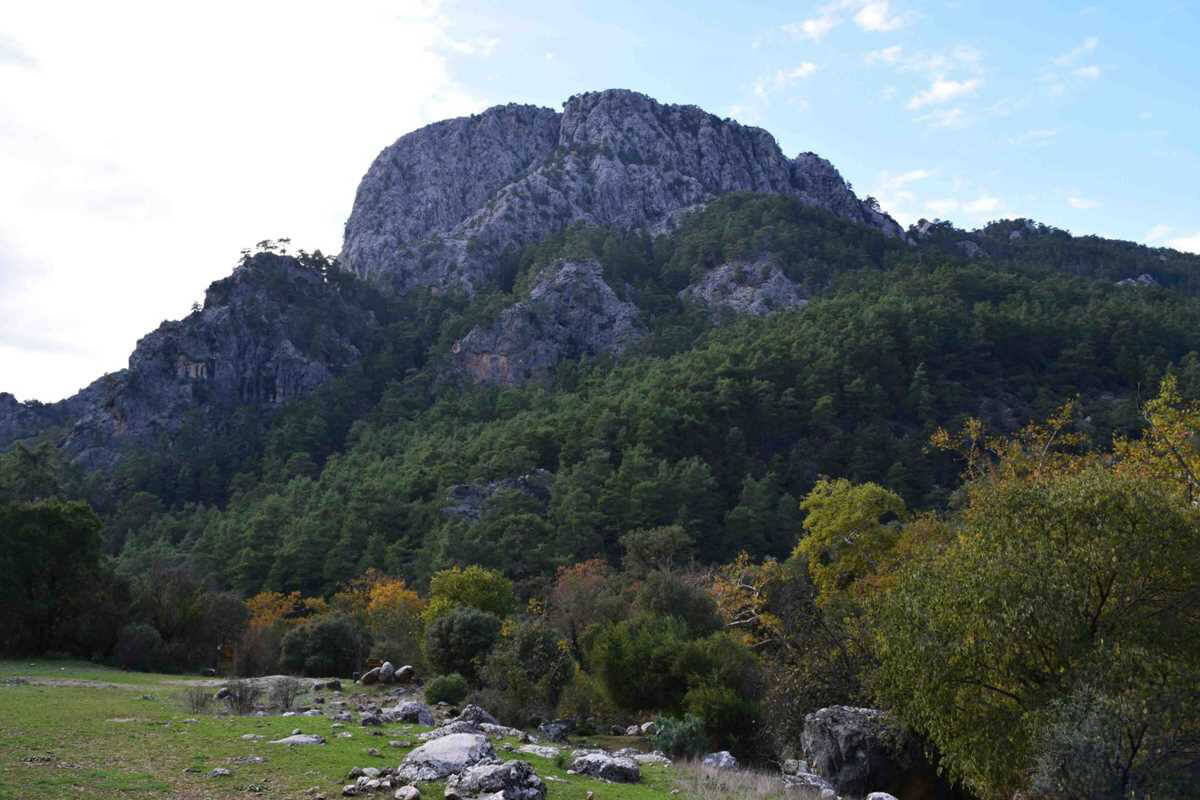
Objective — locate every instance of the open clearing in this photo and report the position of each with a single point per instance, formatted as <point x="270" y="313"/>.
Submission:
<point x="70" y="729"/>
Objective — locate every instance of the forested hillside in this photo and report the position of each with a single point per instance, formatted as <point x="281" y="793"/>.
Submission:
<point x="743" y="509"/>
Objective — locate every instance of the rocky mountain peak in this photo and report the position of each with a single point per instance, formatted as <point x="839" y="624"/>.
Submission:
<point x="439" y="206"/>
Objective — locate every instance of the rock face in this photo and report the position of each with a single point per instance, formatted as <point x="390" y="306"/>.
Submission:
<point x="721" y="760"/>
<point x="859" y="751"/>
<point x="571" y="312"/>
<point x="437" y="207"/>
<point x="411" y="712"/>
<point x="469" y="500"/>
<point x="444" y="756"/>
<point x="512" y="780"/>
<point x="757" y="288"/>
<point x="271" y="331"/>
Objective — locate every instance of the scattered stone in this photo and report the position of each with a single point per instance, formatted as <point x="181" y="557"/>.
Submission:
<point x="222" y="693"/>
<point x="444" y="756"/>
<point x="345" y="735"/>
<point x="558" y="730"/>
<point x="409" y="792"/>
<point x="633" y="730"/>
<point x="512" y="780"/>
<point x="810" y="783"/>
<point x="541" y="751"/>
<point x="721" y="760"/>
<point x="374" y="751"/>
<point x="475" y="715"/>
<point x="411" y="712"/>
<point x="606" y="767"/>
<point x="500" y="731"/>
<point x="247" y="760"/>
<point x="190" y="721"/>
<point x="331" y="685"/>
<point x="456" y="726"/>
<point x="880" y="796"/>
<point x="296" y="731"/>
<point x="371" y="720"/>
<point x="387" y="672"/>
<point x="290" y="714"/>
<point x="252" y="737"/>
<point x="405" y="674"/>
<point x="399" y="743"/>
<point x="220" y="772"/>
<point x="300" y="738"/>
<point x="370" y="677"/>
<point x="654" y="759"/>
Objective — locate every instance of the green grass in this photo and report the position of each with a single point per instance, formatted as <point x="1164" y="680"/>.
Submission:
<point x="73" y="729"/>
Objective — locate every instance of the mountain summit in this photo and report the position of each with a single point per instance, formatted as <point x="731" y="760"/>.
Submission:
<point x="439" y="206"/>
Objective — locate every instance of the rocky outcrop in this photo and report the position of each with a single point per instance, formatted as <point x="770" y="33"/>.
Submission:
<point x="271" y="331"/>
<point x="861" y="750"/>
<point x="757" y="287"/>
<point x="469" y="500"/>
<point x="437" y="207"/>
<point x="1145" y="279"/>
<point x="570" y="313"/>
<point x="617" y="769"/>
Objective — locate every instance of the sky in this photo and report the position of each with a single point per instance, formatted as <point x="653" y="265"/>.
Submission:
<point x="144" y="144"/>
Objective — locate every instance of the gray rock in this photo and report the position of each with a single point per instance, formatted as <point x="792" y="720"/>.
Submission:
<point x="1141" y="280"/>
<point x="970" y="249"/>
<point x="220" y="772"/>
<point x="300" y="738"/>
<point x="371" y="720"/>
<point x="633" y="730"/>
<point x="222" y="693"/>
<point x="409" y="792"/>
<point x="444" y="756"/>
<point x="607" y="767"/>
<point x="500" y="731"/>
<point x="654" y="758"/>
<point x="860" y="750"/>
<point x="539" y="750"/>
<point x="439" y="205"/>
<point x="450" y="728"/>
<point x="251" y="737"/>
<point x="370" y="677"/>
<point x="757" y="287"/>
<point x="475" y="715"/>
<point x="809" y="783"/>
<point x="512" y="780"/>
<point x="557" y="730"/>
<point x="405" y="674"/>
<point x="248" y="347"/>
<point x="331" y="685"/>
<point x="880" y="796"/>
<point x="469" y="501"/>
<point x="721" y="760"/>
<point x="411" y="712"/>
<point x="649" y="728"/>
<point x="387" y="672"/>
<point x="570" y="313"/>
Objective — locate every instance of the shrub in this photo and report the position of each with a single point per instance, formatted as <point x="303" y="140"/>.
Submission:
<point x="637" y="662"/>
<point x="461" y="640"/>
<point x="284" y="692"/>
<point x="197" y="699"/>
<point x="257" y="652"/>
<point x="139" y="647"/>
<point x="474" y="587"/>
<point x="527" y="672"/>
<point x="680" y="737"/>
<point x="327" y="645"/>
<point x="450" y="689"/>
<point x="583" y="698"/>
<point x="243" y="696"/>
<point x="732" y="722"/>
<point x="667" y="594"/>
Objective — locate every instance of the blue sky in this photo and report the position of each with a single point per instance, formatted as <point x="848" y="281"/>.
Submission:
<point x="145" y="143"/>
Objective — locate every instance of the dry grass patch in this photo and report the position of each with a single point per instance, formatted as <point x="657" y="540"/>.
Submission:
<point x="695" y="780"/>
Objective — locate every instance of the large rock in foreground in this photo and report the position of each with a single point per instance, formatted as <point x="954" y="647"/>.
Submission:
<point x="445" y="756"/>
<point x="608" y="767"/>
<point x="512" y="780"/>
<point x="861" y="750"/>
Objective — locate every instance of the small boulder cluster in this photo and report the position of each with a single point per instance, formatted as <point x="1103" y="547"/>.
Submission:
<point x="388" y="673"/>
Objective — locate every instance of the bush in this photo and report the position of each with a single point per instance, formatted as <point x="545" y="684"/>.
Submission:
<point x="450" y="689"/>
<point x="460" y="641"/>
<point x="731" y="722"/>
<point x="197" y="699"/>
<point x="473" y="587"/>
<point x="327" y="645"/>
<point x="257" y="652"/>
<point x="243" y="696"/>
<point x="681" y="737"/>
<point x="526" y="673"/>
<point x="637" y="661"/>
<point x="139" y="647"/>
<point x="284" y="692"/>
<point x="583" y="698"/>
<point x="667" y="594"/>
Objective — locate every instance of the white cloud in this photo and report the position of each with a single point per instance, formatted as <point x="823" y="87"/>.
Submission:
<point x="943" y="91"/>
<point x="877" y="17"/>
<point x="1038" y="136"/>
<point x="1157" y="233"/>
<point x="1081" y="203"/>
<point x="943" y="207"/>
<point x="1188" y="244"/>
<point x="984" y="204"/>
<point x="888" y="55"/>
<point x="814" y="28"/>
<point x="1090" y="72"/>
<point x="895" y="194"/>
<point x="945" y="118"/>
<point x="1071" y="56"/>
<point x="164" y="142"/>
<point x="783" y="78"/>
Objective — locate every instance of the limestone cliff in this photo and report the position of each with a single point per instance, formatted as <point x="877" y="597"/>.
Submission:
<point x="438" y="206"/>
